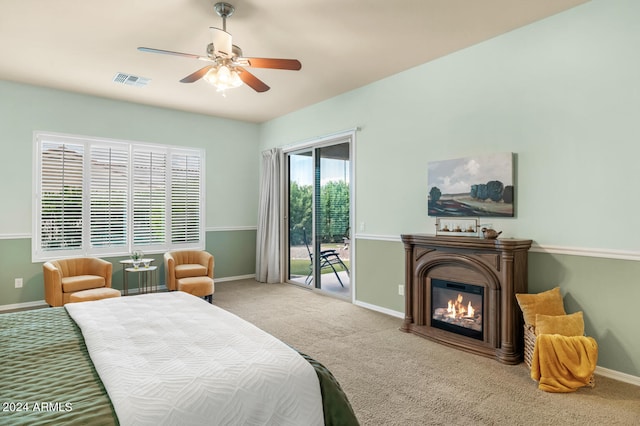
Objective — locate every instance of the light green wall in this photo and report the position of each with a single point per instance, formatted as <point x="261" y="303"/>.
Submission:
<point x="380" y="271"/>
<point x="231" y="159"/>
<point x="562" y="94"/>
<point x="15" y="262"/>
<point x="234" y="252"/>
<point x="231" y="172"/>
<point x="606" y="291"/>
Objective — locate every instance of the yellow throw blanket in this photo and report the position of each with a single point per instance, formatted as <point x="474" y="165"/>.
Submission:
<point x="563" y="363"/>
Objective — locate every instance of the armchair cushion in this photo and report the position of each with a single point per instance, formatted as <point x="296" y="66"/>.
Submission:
<point x="82" y="282"/>
<point x="190" y="270"/>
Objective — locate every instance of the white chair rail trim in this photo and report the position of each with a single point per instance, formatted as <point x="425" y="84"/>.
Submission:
<point x="537" y="248"/>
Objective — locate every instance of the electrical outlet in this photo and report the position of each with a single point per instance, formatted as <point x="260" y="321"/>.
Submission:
<point x="401" y="290"/>
<point x="362" y="226"/>
<point x="18" y="282"/>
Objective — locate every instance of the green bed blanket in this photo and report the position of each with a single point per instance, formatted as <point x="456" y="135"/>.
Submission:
<point x="47" y="377"/>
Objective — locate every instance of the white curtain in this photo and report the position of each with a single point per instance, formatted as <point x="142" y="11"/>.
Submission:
<point x="268" y="238"/>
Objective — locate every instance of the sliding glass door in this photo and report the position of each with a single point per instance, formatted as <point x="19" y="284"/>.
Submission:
<point x="319" y="217"/>
<point x="300" y="216"/>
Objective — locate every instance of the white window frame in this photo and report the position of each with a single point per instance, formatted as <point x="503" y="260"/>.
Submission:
<point x="39" y="254"/>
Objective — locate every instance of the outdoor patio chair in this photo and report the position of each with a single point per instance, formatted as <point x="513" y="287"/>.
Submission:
<point x="328" y="258"/>
<point x="346" y="238"/>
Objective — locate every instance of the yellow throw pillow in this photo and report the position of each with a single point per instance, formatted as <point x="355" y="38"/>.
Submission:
<point x="567" y="325"/>
<point x="546" y="303"/>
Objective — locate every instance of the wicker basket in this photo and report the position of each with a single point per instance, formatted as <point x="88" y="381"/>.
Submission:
<point x="529" y="345"/>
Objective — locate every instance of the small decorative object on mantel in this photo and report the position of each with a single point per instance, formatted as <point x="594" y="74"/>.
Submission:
<point x="490" y="234"/>
<point x="465" y="227"/>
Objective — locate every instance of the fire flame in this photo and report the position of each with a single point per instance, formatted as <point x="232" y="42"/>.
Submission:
<point x="470" y="310"/>
<point x="456" y="309"/>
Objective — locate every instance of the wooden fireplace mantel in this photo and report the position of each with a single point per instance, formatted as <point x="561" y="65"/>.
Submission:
<point x="499" y="265"/>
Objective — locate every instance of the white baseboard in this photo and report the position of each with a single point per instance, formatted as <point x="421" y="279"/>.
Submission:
<point x="616" y="375"/>
<point x="25" y="305"/>
<point x="236" y="278"/>
<point x="380" y="309"/>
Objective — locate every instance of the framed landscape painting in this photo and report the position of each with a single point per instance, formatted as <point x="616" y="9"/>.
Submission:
<point x="472" y="186"/>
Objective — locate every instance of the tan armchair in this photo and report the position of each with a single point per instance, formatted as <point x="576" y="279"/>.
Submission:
<point x="69" y="280"/>
<point x="190" y="271"/>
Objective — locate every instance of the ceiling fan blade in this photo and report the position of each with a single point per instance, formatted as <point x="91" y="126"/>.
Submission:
<point x="169" y="52"/>
<point x="279" y="64"/>
<point x="252" y="81"/>
<point x="196" y="75"/>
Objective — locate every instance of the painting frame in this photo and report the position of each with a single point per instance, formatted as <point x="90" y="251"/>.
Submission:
<point x="476" y="186"/>
<point x="457" y="227"/>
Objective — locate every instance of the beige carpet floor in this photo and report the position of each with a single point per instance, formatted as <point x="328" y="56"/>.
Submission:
<point x="394" y="378"/>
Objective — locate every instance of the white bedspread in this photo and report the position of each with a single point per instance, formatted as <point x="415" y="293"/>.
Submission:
<point x="174" y="359"/>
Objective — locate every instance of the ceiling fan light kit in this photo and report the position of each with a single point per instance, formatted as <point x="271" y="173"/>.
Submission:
<point x="228" y="65"/>
<point x="222" y="78"/>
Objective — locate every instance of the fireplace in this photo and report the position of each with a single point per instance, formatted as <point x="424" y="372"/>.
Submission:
<point x="457" y="307"/>
<point x="460" y="291"/>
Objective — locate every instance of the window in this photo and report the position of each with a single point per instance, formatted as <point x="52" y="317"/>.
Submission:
<point x="109" y="188"/>
<point x="149" y="197"/>
<point x="104" y="197"/>
<point x="185" y="208"/>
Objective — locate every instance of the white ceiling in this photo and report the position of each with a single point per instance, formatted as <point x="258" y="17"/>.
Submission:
<point x="80" y="45"/>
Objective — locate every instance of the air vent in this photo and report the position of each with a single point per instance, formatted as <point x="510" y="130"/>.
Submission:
<point x="131" y="80"/>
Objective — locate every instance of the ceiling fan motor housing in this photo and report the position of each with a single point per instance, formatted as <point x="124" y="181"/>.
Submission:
<point x="224" y="10"/>
<point x="236" y="52"/>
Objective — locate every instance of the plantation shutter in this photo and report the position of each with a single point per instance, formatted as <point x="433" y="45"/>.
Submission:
<point x="61" y="189"/>
<point x="185" y="198"/>
<point x="108" y="197"/>
<point x="149" y="197"/>
<point x="102" y="197"/>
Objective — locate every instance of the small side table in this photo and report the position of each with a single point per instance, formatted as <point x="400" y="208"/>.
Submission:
<point x="146" y="279"/>
<point x="128" y="263"/>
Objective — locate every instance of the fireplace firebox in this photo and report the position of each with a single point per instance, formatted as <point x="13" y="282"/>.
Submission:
<point x="457" y="307"/>
<point x="460" y="291"/>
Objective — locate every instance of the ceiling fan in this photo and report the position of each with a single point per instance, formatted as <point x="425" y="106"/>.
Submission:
<point x="227" y="68"/>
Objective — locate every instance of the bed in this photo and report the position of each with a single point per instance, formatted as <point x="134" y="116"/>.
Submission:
<point x="163" y="358"/>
